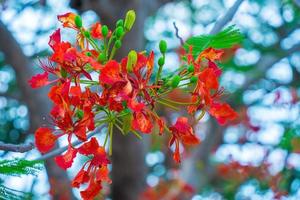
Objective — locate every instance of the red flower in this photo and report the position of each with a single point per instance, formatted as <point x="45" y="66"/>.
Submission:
<point x="65" y="161"/>
<point x="182" y="132"/>
<point x="44" y="139"/>
<point x="222" y="112"/>
<point x="96" y="170"/>
<point x="39" y="80"/>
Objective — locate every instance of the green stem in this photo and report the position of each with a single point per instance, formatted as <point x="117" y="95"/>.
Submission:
<point x="168" y="105"/>
<point x="176" y="102"/>
<point x="110" y="127"/>
<point x="159" y="72"/>
<point x="201" y="115"/>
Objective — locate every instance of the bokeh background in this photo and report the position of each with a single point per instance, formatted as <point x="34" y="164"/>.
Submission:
<point x="257" y="157"/>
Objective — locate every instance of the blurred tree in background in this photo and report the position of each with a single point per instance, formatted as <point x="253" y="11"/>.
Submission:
<point x="256" y="157"/>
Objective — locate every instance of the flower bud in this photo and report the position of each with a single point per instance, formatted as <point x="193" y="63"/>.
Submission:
<point x="191" y="68"/>
<point x="193" y="79"/>
<point x="87" y="34"/>
<point x="89" y="54"/>
<point x="78" y="21"/>
<point x="63" y="73"/>
<point x="79" y="114"/>
<point x="161" y="61"/>
<point x="163" y="46"/>
<point x="104" y="31"/>
<point x="101" y="57"/>
<point x="175" y="81"/>
<point x="119" y="31"/>
<point x="118" y="44"/>
<point x="120" y="22"/>
<point x="129" y="20"/>
<point x="132" y="59"/>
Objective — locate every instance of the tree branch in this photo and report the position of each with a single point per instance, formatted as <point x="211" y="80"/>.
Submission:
<point x="21" y="148"/>
<point x="226" y="18"/>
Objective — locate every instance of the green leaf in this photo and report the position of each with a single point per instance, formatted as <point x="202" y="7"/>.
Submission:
<point x="224" y="39"/>
<point x="18" y="167"/>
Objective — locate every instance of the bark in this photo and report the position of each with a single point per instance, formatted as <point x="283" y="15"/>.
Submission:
<point x="37" y="102"/>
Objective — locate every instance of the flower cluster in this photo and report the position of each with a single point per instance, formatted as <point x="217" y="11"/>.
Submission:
<point x="91" y="89"/>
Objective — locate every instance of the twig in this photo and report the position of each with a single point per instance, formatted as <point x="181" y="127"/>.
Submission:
<point x="21" y="148"/>
<point x="64" y="148"/>
<point x="226" y="18"/>
<point x="177" y="33"/>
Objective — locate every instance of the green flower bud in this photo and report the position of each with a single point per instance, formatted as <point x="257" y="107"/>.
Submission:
<point x="132" y="59"/>
<point x="120" y="22"/>
<point x="127" y="121"/>
<point x="119" y="31"/>
<point x="78" y="21"/>
<point x="63" y="73"/>
<point x="163" y="46"/>
<point x="87" y="34"/>
<point x="193" y="79"/>
<point x="89" y="54"/>
<point x="118" y="44"/>
<point x="101" y="57"/>
<point x="129" y="20"/>
<point x="161" y="61"/>
<point x="80" y="114"/>
<point x="104" y="31"/>
<point x="175" y="81"/>
<point x="191" y="68"/>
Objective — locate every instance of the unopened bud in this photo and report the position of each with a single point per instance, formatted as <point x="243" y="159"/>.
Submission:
<point x="87" y="34"/>
<point x="78" y="21"/>
<point x="163" y="46"/>
<point x="120" y="22"/>
<point x="175" y="81"/>
<point x="119" y="31"/>
<point x="118" y="44"/>
<point x="161" y="61"/>
<point x="129" y="20"/>
<point x="132" y="59"/>
<point x="191" y="68"/>
<point x="104" y="31"/>
<point x="193" y="79"/>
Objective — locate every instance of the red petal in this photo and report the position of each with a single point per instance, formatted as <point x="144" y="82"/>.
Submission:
<point x="39" y="80"/>
<point x="92" y="190"/>
<point x="215" y="68"/>
<point x="110" y="73"/>
<point x="141" y="122"/>
<point x="102" y="174"/>
<point x="80" y="178"/>
<point x="223" y="113"/>
<point x="65" y="161"/>
<point x="96" y="31"/>
<point x="209" y="78"/>
<point x="89" y="148"/>
<point x="44" y="139"/>
<point x="54" y="39"/>
<point x="210" y="54"/>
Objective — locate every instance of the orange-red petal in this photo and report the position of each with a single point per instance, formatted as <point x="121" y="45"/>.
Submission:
<point x="44" y="139"/>
<point x="68" y="20"/>
<point x="65" y="161"/>
<point x="110" y="74"/>
<point x="39" y="80"/>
